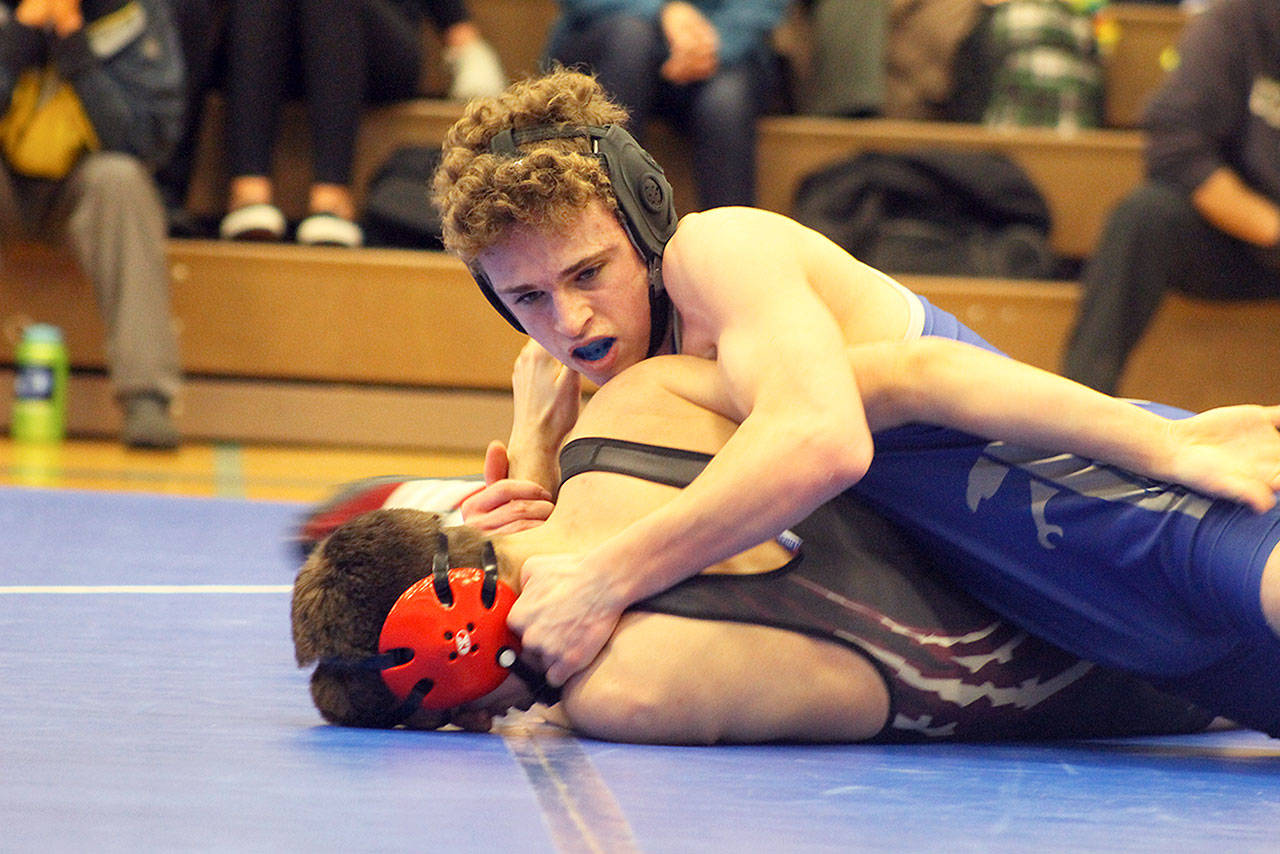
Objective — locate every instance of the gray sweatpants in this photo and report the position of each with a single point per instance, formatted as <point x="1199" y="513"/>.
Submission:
<point x="109" y="213"/>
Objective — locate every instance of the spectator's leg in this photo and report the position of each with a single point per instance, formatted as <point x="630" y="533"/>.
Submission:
<point x="720" y="117"/>
<point x="259" y="42"/>
<point x="200" y="27"/>
<point x="1153" y="241"/>
<point x="116" y="226"/>
<point x="351" y="50"/>
<point x="848" y="72"/>
<point x="13" y="222"/>
<point x="625" y="52"/>
<point x="1142" y="250"/>
<point x="395" y="67"/>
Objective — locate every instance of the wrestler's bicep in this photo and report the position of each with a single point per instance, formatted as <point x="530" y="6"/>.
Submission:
<point x="676" y="680"/>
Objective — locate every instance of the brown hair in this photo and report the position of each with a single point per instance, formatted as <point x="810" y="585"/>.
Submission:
<point x="343" y="594"/>
<point x="480" y="195"/>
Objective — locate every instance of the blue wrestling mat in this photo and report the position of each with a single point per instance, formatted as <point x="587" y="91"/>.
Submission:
<point x="149" y="701"/>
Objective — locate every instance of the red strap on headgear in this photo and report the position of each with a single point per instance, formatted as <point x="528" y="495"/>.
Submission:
<point x="449" y="634"/>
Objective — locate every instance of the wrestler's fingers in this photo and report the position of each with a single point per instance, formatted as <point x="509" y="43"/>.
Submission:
<point x="564" y="667"/>
<point x="503" y="492"/>
<point x="1253" y="493"/>
<point x="514" y="527"/>
<point x="518" y="619"/>
<point x="1266" y="499"/>
<point x="525" y="513"/>
<point x="560" y="671"/>
<point x="496" y="462"/>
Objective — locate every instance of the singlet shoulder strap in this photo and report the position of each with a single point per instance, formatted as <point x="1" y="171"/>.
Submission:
<point x="671" y="466"/>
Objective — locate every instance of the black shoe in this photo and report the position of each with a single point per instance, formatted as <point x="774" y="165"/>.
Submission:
<point x="147" y="423"/>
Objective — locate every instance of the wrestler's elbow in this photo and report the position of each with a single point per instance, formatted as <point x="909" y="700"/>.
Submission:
<point x="839" y="449"/>
<point x="926" y="378"/>
<point x="849" y="460"/>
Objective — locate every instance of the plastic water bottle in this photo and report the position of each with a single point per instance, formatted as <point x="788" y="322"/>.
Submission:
<point x="40" y="392"/>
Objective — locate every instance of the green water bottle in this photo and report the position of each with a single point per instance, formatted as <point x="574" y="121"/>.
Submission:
<point x="40" y="388"/>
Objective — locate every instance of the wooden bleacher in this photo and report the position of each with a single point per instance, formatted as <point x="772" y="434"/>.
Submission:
<point x="396" y="347"/>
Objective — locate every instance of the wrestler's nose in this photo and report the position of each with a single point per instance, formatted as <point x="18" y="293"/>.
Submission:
<point x="573" y="313"/>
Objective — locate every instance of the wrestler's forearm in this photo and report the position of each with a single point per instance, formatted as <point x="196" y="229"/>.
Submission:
<point x="938" y="381"/>
<point x="772" y="472"/>
<point x="534" y="462"/>
<point x="545" y="404"/>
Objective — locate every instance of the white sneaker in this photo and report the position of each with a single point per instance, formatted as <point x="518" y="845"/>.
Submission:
<point x="253" y="222"/>
<point x="326" y="229"/>
<point x="476" y="71"/>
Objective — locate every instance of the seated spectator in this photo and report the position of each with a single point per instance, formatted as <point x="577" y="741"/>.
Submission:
<point x="883" y="57"/>
<point x="1030" y="63"/>
<point x="341" y="56"/>
<point x="1207" y="220"/>
<point x="844" y="66"/>
<point x="92" y="94"/>
<point x="706" y="65"/>
<point x="1001" y="62"/>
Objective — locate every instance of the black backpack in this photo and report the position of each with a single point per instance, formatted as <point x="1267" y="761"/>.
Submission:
<point x="397" y="209"/>
<point x="938" y="212"/>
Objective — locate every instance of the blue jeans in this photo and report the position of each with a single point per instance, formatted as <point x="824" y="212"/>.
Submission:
<point x="717" y="115"/>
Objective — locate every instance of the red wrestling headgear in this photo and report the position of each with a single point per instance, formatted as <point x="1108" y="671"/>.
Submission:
<point x="447" y="634"/>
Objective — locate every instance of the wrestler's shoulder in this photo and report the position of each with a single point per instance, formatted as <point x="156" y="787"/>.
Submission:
<point x="713" y="220"/>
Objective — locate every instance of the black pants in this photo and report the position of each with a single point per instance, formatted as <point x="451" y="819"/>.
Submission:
<point x="718" y="115"/>
<point x="1155" y="241"/>
<point x="340" y="54"/>
<point x="201" y="25"/>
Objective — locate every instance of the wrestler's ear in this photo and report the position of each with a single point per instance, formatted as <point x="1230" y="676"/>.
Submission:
<point x="496" y="463"/>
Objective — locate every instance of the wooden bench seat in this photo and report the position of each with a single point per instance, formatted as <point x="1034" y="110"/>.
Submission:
<point x="423" y="121"/>
<point x="291" y="344"/>
<point x="397" y="348"/>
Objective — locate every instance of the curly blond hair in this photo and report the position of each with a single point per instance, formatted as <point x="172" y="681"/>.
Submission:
<point x="480" y="195"/>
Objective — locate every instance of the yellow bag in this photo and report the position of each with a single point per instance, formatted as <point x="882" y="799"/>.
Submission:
<point x="45" y="130"/>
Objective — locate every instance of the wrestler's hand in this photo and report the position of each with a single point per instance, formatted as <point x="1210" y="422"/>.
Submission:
<point x="505" y="505"/>
<point x="1230" y="452"/>
<point x="546" y="397"/>
<point x="564" y="614"/>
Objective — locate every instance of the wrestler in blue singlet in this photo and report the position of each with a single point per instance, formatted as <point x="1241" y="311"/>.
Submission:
<point x="953" y="669"/>
<point x="1146" y="576"/>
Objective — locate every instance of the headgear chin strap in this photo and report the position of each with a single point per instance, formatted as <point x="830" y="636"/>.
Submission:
<point x="644" y="199"/>
<point x="445" y="642"/>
